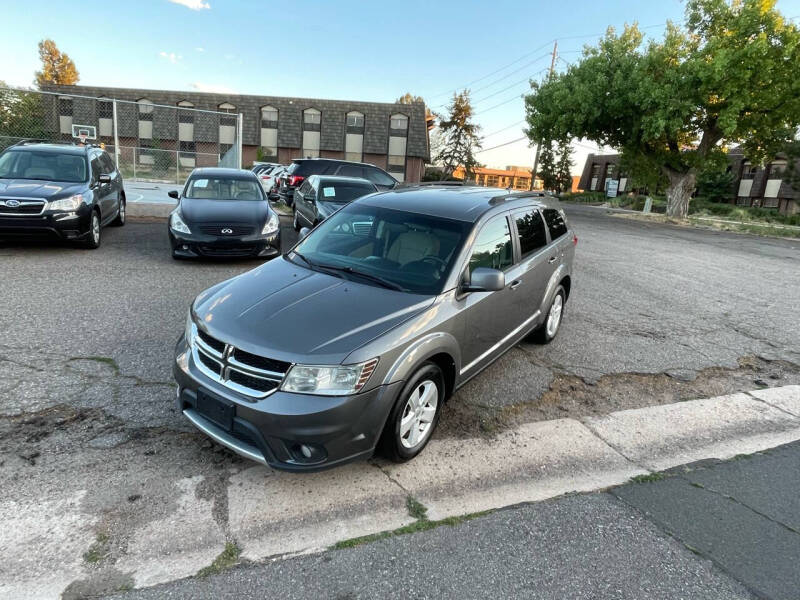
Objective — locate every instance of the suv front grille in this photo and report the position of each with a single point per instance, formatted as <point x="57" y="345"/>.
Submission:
<point x="244" y="372"/>
<point x="21" y="206"/>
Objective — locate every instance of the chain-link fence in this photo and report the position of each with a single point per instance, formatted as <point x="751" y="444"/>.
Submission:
<point x="149" y="142"/>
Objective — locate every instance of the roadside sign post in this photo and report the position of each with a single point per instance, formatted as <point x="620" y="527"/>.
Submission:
<point x="648" y="205"/>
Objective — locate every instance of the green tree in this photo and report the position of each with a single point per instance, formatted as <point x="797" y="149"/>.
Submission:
<point x="792" y="173"/>
<point x="57" y="67"/>
<point x="21" y="116"/>
<point x="548" y="168"/>
<point x="408" y="98"/>
<point x="728" y="75"/>
<point x="715" y="180"/>
<point x="564" y="167"/>
<point x="458" y="138"/>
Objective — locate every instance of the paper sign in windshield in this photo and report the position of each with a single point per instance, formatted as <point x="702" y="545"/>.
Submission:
<point x="329" y="192"/>
<point x="201" y="183"/>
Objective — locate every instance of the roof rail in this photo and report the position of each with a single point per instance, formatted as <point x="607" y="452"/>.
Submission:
<point x="438" y="183"/>
<point x="511" y="195"/>
<point x="27" y="141"/>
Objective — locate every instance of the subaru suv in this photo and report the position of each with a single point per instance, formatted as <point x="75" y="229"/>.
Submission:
<point x="354" y="339"/>
<point x="59" y="190"/>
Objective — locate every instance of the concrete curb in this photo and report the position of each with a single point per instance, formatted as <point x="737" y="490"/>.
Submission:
<point x="272" y="514"/>
<point x="149" y="210"/>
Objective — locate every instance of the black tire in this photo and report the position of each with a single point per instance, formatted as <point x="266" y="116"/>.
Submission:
<point x="92" y="240"/>
<point x="391" y="444"/>
<point x="544" y="334"/>
<point x="120" y="220"/>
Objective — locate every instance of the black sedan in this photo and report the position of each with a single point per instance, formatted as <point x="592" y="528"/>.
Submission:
<point x="223" y="213"/>
<point x="322" y="195"/>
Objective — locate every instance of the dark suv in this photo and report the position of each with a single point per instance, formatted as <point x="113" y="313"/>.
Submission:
<point x="301" y="168"/>
<point x="357" y="336"/>
<point x="63" y="191"/>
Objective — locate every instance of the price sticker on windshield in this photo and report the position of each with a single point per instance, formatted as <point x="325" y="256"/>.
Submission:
<point x="329" y="192"/>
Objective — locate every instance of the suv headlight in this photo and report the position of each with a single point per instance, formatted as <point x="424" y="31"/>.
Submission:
<point x="189" y="334"/>
<point x="338" y="380"/>
<point x="66" y="204"/>
<point x="177" y="224"/>
<point x="272" y="225"/>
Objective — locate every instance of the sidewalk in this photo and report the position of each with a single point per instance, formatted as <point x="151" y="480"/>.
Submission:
<point x="714" y="530"/>
<point x="268" y="514"/>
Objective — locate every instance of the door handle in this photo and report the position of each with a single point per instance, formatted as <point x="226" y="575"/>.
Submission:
<point x="552" y="259"/>
<point x="515" y="284"/>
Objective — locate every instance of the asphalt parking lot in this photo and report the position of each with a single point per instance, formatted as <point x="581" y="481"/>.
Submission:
<point x="657" y="314"/>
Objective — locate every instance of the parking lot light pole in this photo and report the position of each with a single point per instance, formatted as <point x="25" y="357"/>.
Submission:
<point x="239" y="123"/>
<point x="116" y="132"/>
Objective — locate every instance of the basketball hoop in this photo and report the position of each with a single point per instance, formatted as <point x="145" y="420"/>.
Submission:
<point x="82" y="137"/>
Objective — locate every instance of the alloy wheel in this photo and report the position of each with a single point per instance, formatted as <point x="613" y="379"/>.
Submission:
<point x="418" y="414"/>
<point x="554" y="317"/>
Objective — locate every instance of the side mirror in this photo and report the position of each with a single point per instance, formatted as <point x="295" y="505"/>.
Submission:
<point x="304" y="232"/>
<point x="104" y="178"/>
<point x="484" y="279"/>
<point x="174" y="194"/>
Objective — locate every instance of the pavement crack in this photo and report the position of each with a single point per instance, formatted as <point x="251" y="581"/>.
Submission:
<point x="390" y="478"/>
<point x="770" y="404"/>
<point x="588" y="425"/>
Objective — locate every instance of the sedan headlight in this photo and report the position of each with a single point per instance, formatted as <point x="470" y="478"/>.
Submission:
<point x="338" y="380"/>
<point x="66" y="204"/>
<point x="177" y="224"/>
<point x="272" y="224"/>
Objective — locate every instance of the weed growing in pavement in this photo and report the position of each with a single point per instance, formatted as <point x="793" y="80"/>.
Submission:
<point x="649" y="477"/>
<point x="98" y="550"/>
<point x="101" y="359"/>
<point x="416" y="509"/>
<point x="420" y="525"/>
<point x="227" y="558"/>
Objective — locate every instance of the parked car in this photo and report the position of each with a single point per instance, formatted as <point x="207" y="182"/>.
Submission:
<point x="59" y="190"/>
<point x="223" y="212"/>
<point x="356" y="337"/>
<point x="301" y="168"/>
<point x="274" y="187"/>
<point x="319" y="196"/>
<point x="267" y="175"/>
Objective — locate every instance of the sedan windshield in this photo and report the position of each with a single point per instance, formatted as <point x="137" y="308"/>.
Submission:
<point x="389" y="248"/>
<point x="223" y="188"/>
<point x="43" y="166"/>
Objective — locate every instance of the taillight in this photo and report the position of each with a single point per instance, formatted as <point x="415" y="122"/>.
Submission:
<point x="574" y="240"/>
<point x="295" y="179"/>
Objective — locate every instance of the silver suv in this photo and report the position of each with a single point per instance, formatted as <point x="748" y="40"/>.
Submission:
<point x="356" y="337"/>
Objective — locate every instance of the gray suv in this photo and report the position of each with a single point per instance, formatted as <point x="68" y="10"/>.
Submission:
<point x="355" y="338"/>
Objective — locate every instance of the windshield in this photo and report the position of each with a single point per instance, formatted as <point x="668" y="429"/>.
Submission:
<point x="342" y="192"/>
<point x="44" y="166"/>
<point x="412" y="252"/>
<point x="223" y="188"/>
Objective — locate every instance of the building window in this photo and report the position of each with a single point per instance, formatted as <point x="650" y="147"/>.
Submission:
<point x="185" y="116"/>
<point x="105" y="117"/>
<point x="399" y="122"/>
<point x="743" y="201"/>
<point x="311" y="125"/>
<point x="777" y="169"/>
<point x="269" y="133"/>
<point x="227" y="127"/>
<point x="269" y="117"/>
<point x="770" y="202"/>
<point x="354" y="136"/>
<point x="355" y="119"/>
<point x="749" y="171"/>
<point x="522" y="183"/>
<point x="492" y="180"/>
<point x="145" y="108"/>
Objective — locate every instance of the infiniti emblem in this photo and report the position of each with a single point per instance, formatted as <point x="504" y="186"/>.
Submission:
<point x="12" y="203"/>
<point x="227" y="230"/>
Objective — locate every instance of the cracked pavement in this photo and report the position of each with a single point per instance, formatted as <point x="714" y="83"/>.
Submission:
<point x="92" y="448"/>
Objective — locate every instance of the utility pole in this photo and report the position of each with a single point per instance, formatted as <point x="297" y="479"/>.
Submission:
<point x="539" y="145"/>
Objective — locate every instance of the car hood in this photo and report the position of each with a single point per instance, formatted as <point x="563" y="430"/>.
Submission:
<point x="289" y="313"/>
<point x="31" y="188"/>
<point x="223" y="211"/>
<point x="326" y="208"/>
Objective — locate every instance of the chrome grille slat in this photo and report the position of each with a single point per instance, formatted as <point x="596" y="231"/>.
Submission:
<point x="233" y="373"/>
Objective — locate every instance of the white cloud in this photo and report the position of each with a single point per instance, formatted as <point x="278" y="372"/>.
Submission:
<point x="193" y="4"/>
<point x="212" y="88"/>
<point x="198" y="49"/>
<point x="171" y="57"/>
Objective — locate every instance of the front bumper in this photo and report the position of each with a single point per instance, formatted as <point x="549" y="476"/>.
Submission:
<point x="53" y="225"/>
<point x="195" y="245"/>
<point x="274" y="430"/>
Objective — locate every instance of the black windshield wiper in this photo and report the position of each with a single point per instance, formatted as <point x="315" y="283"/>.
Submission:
<point x="304" y="259"/>
<point x="379" y="280"/>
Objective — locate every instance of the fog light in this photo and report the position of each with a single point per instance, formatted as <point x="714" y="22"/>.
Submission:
<point x="306" y="451"/>
<point x="184" y="247"/>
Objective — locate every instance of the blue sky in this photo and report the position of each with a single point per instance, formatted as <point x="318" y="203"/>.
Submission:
<point x="368" y="50"/>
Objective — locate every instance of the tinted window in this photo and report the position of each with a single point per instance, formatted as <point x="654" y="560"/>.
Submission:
<point x="351" y="171"/>
<point x="305" y="188"/>
<point x="108" y="164"/>
<point x="493" y="246"/>
<point x="530" y="228"/>
<point x="97" y="168"/>
<point x="44" y="166"/>
<point x="223" y="188"/>
<point x="379" y="177"/>
<point x="556" y="222"/>
<point x="311" y="167"/>
<point x="413" y="251"/>
<point x="338" y="191"/>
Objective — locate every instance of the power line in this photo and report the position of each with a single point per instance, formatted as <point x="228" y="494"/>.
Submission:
<point x="503" y="129"/>
<point x="501" y="145"/>
<point x="485" y="110"/>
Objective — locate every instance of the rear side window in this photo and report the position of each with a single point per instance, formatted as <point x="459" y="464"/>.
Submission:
<point x="379" y="177"/>
<point x="351" y="171"/>
<point x="311" y="167"/>
<point x="530" y="229"/>
<point x="556" y="222"/>
<point x="492" y="247"/>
